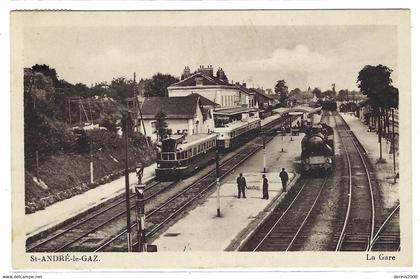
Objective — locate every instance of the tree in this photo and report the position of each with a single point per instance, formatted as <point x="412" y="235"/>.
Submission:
<point x="343" y="95"/>
<point x="296" y="93"/>
<point x="329" y="94"/>
<point x="375" y="82"/>
<point x="158" y="85"/>
<point x="317" y="92"/>
<point x="120" y="88"/>
<point x="161" y="125"/>
<point x="46" y="71"/>
<point x="282" y="91"/>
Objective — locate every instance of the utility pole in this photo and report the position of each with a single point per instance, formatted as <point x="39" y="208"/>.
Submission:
<point x="218" y="183"/>
<point x="127" y="185"/>
<point x="91" y="160"/>
<point x="37" y="166"/>
<point x="135" y="102"/>
<point x="80" y="114"/>
<point x="68" y="100"/>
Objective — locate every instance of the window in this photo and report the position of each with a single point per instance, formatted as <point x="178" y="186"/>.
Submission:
<point x="198" y="81"/>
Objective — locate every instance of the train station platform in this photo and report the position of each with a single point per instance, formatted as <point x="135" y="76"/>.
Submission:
<point x="239" y="217"/>
<point x="61" y="211"/>
<point x="384" y="170"/>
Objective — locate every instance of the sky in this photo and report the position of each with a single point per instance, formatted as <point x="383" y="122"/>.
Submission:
<point x="303" y="56"/>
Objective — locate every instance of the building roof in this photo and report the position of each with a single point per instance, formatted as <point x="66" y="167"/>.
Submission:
<point x="272" y="97"/>
<point x="174" y="107"/>
<point x="233" y="111"/>
<point x="207" y="80"/>
<point x="204" y="101"/>
<point x="244" y="89"/>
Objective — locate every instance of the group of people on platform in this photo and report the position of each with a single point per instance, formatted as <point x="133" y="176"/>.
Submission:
<point x="241" y="182"/>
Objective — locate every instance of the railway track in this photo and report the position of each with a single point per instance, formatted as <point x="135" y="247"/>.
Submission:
<point x="283" y="229"/>
<point x="387" y="238"/>
<point x="84" y="235"/>
<point x="66" y="236"/>
<point x="358" y="228"/>
<point x="160" y="217"/>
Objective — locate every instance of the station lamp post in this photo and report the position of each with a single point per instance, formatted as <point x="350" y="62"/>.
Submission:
<point x="264" y="154"/>
<point x="218" y="183"/>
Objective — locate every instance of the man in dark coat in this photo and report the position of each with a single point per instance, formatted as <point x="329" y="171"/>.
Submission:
<point x="284" y="178"/>
<point x="265" y="187"/>
<point x="241" y="186"/>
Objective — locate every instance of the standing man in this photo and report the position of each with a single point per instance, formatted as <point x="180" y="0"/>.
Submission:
<point x="284" y="178"/>
<point x="265" y="187"/>
<point x="241" y="186"/>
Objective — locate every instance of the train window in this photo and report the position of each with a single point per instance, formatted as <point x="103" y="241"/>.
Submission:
<point x="195" y="151"/>
<point x="178" y="156"/>
<point x="164" y="156"/>
<point x="171" y="156"/>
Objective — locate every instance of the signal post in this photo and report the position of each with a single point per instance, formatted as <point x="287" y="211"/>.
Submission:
<point x="140" y="212"/>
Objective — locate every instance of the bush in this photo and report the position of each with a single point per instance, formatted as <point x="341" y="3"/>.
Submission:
<point x="60" y="137"/>
<point x="108" y="123"/>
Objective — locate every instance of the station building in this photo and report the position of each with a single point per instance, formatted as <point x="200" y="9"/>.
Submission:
<point x="236" y="100"/>
<point x="191" y="114"/>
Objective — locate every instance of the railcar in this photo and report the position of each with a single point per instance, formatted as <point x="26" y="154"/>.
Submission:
<point x="181" y="155"/>
<point x="327" y="104"/>
<point x="236" y="133"/>
<point x="317" y="154"/>
<point x="348" y="107"/>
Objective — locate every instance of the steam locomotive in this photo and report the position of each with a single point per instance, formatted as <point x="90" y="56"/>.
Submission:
<point x="317" y="149"/>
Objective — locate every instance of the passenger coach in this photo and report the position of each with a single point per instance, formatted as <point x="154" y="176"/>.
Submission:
<point x="181" y="155"/>
<point x="236" y="133"/>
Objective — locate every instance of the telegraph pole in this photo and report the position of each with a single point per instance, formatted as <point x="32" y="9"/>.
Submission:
<point x="218" y="184"/>
<point x="91" y="161"/>
<point x="127" y="185"/>
<point x="37" y="165"/>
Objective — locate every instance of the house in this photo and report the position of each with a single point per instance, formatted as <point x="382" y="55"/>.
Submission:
<point x="264" y="100"/>
<point x="191" y="114"/>
<point x="235" y="100"/>
<point x="213" y="87"/>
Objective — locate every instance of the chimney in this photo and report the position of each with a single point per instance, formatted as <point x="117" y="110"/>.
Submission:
<point x="186" y="73"/>
<point x="208" y="71"/>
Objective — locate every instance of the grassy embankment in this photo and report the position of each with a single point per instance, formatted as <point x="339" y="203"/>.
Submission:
<point x="68" y="174"/>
